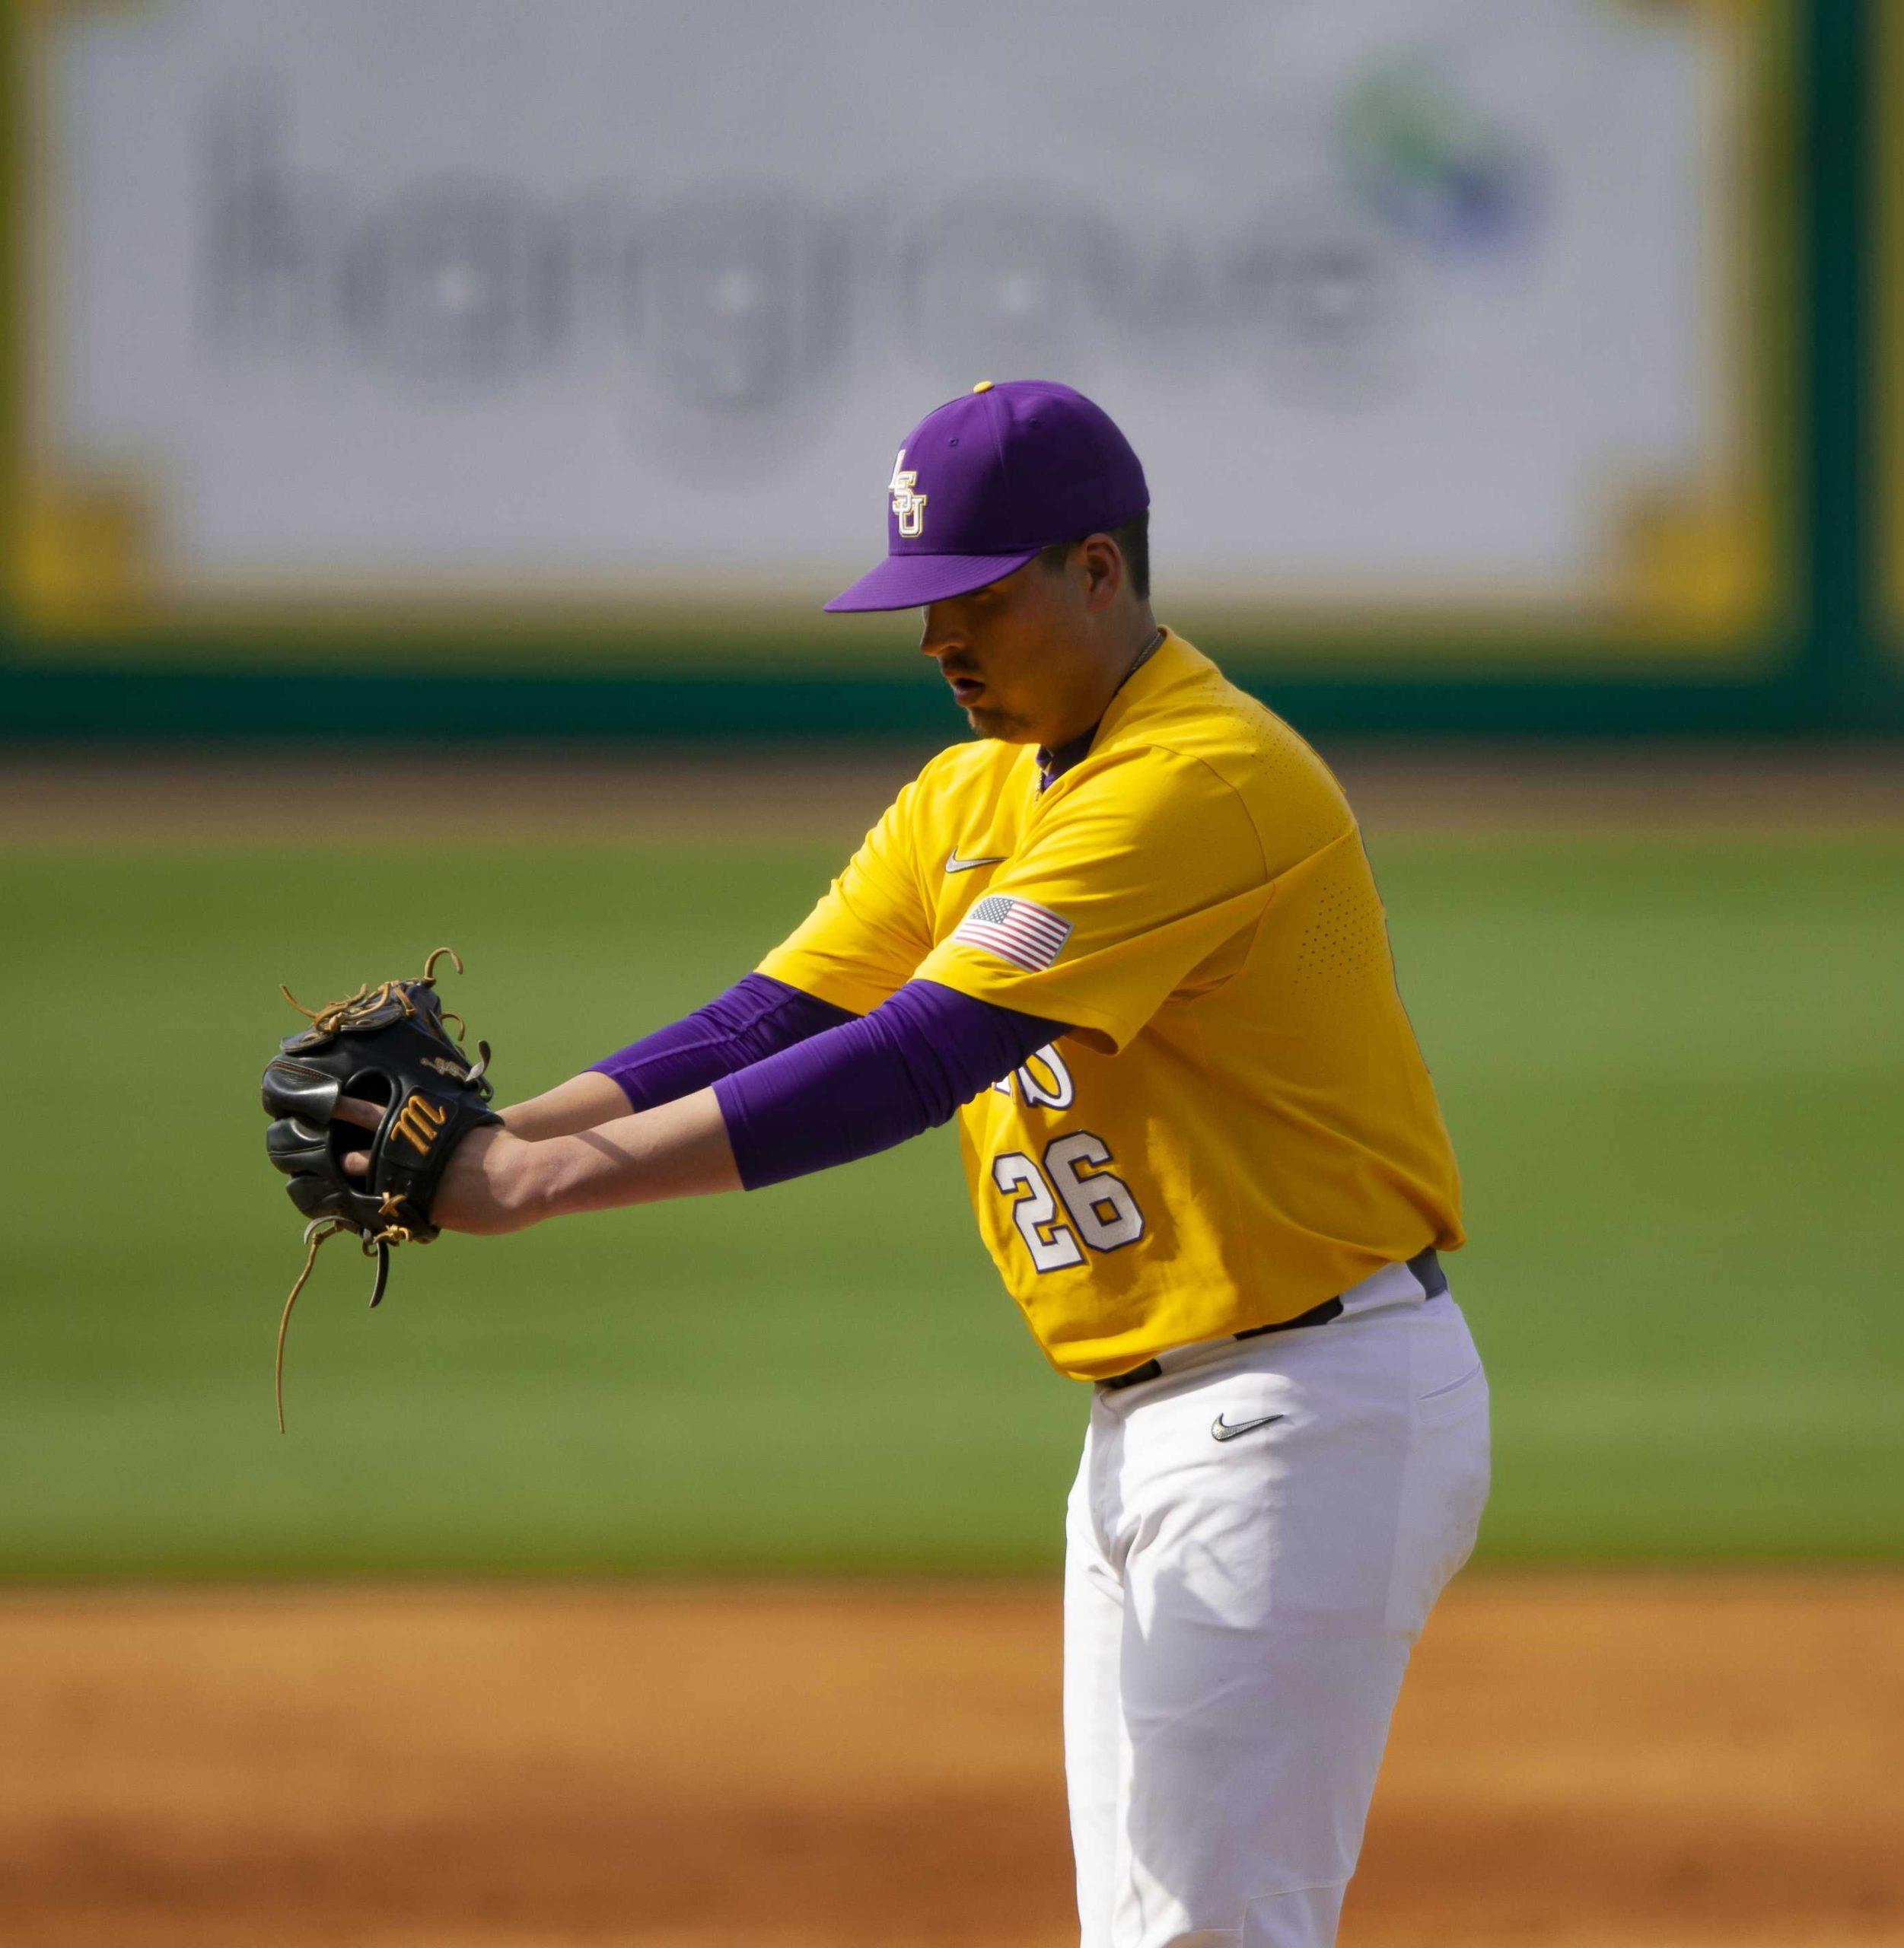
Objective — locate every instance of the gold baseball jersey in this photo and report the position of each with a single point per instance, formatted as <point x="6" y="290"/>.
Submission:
<point x="1239" y="1124"/>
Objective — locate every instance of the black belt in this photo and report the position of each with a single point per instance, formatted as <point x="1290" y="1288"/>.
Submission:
<point x="1426" y="1265"/>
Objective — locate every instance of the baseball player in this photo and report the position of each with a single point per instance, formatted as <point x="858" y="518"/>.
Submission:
<point x="1127" y="934"/>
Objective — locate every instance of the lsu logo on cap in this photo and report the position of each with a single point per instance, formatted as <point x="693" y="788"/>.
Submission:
<point x="908" y="506"/>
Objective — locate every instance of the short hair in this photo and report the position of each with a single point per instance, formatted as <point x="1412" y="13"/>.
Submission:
<point x="1133" y="540"/>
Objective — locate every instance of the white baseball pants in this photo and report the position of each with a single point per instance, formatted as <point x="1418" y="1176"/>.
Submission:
<point x="1238" y="1612"/>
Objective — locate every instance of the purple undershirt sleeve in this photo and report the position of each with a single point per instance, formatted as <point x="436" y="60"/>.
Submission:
<point x="756" y="1017"/>
<point x="873" y="1082"/>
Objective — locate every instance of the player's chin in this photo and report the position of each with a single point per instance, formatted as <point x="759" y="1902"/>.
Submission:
<point x="989" y="720"/>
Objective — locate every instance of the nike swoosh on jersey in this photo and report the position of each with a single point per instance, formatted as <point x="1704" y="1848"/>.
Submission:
<point x="953" y="863"/>
<point x="1221" y="1429"/>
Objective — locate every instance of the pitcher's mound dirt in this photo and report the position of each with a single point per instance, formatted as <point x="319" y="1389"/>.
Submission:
<point x="1626" y="1763"/>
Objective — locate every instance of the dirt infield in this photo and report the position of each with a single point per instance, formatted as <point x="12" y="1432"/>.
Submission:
<point x="1579" y="1761"/>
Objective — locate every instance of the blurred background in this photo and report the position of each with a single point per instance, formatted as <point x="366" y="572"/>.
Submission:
<point x="428" y="435"/>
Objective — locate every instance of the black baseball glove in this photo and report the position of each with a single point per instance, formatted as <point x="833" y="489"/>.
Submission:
<point x="387" y="1046"/>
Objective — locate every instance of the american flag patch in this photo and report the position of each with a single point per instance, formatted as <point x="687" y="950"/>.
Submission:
<point x="1019" y="930"/>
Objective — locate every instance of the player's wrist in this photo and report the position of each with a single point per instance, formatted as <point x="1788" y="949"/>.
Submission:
<point x="491" y="1186"/>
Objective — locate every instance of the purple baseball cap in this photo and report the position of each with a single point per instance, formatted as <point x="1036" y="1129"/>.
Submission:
<point x="985" y="482"/>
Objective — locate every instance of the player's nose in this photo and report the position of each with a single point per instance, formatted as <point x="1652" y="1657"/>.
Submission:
<point x="937" y="636"/>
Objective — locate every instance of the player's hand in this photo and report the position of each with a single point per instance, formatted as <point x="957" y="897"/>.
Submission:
<point x="497" y="1181"/>
<point x="484" y="1186"/>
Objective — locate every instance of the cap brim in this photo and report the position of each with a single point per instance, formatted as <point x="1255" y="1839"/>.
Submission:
<point x="910" y="582"/>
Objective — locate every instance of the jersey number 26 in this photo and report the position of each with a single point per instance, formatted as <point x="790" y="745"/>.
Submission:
<point x="1099" y="1205"/>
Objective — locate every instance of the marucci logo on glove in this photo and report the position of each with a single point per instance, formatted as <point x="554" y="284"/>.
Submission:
<point x="417" y="1123"/>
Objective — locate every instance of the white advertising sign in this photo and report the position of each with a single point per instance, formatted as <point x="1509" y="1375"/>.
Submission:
<point x="1409" y="305"/>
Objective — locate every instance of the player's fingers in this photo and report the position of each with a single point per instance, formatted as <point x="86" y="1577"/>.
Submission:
<point x="364" y="1115"/>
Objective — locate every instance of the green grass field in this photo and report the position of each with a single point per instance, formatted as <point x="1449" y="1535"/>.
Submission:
<point x="1673" y="1070"/>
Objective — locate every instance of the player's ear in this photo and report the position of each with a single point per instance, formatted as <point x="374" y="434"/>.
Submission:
<point x="1105" y="573"/>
